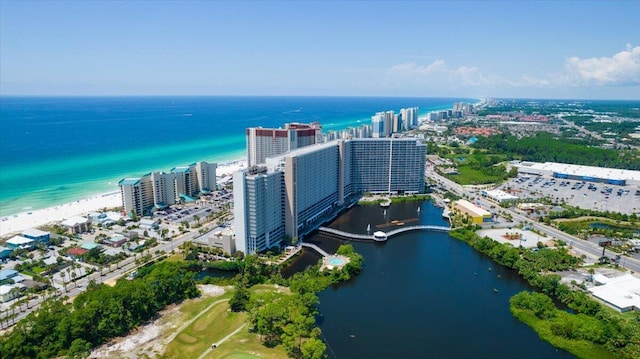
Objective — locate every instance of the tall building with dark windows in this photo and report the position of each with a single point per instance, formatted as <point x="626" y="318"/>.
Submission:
<point x="316" y="183"/>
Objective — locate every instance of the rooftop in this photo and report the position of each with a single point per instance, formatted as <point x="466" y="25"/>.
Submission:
<point x="19" y="240"/>
<point x="588" y="171"/>
<point x="33" y="232"/>
<point x="472" y="208"/>
<point x="73" y="221"/>
<point x="129" y="181"/>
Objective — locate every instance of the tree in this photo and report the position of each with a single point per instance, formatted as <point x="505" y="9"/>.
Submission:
<point x="240" y="299"/>
<point x="79" y="348"/>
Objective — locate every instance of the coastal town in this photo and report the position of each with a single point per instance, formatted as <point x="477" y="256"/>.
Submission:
<point x="223" y="213"/>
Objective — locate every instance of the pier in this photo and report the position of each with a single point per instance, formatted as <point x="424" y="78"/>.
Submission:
<point x="369" y="237"/>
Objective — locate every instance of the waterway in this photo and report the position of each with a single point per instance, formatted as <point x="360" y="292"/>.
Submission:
<point x="421" y="295"/>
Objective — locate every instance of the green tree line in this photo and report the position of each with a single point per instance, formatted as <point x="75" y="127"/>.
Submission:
<point x="59" y="328"/>
<point x="618" y="336"/>
<point x="543" y="147"/>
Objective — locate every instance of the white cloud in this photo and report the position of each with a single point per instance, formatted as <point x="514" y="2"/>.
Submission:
<point x="622" y="68"/>
<point x="413" y="68"/>
<point x="467" y="75"/>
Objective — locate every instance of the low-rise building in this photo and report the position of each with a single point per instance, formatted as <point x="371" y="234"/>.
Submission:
<point x="220" y="238"/>
<point x="89" y="245"/>
<point x="149" y="223"/>
<point x="477" y="214"/>
<point x="77" y="224"/>
<point x="37" y="235"/>
<point x="621" y="293"/>
<point x="10" y="292"/>
<point x="7" y="275"/>
<point x="116" y="240"/>
<point x="5" y="252"/>
<point x="16" y="242"/>
<point x="499" y="196"/>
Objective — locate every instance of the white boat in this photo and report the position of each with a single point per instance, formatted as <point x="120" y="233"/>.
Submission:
<point x="379" y="236"/>
<point x="385" y="203"/>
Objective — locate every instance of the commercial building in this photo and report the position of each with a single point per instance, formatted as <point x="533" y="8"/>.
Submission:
<point x="499" y="196"/>
<point x="157" y="190"/>
<point x="621" y="293"/>
<point x="267" y="142"/>
<point x="612" y="176"/>
<point x="292" y="194"/>
<point x="478" y="215"/>
<point x="222" y="239"/>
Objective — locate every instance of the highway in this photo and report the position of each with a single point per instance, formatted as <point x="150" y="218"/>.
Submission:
<point x="578" y="245"/>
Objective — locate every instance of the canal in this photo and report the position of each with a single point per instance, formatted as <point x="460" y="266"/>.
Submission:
<point x="420" y="295"/>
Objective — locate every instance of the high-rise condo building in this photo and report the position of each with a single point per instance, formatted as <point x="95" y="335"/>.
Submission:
<point x="409" y="118"/>
<point x="160" y="189"/>
<point x="267" y="142"/>
<point x="316" y="182"/>
<point x="382" y="124"/>
<point x="258" y="209"/>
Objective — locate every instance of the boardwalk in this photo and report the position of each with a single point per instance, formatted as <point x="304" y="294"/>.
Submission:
<point x="369" y="237"/>
<point x="316" y="248"/>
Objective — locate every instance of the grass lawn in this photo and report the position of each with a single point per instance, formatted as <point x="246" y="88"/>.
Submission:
<point x="245" y="345"/>
<point x="213" y="325"/>
<point x="176" y="257"/>
<point x="467" y="175"/>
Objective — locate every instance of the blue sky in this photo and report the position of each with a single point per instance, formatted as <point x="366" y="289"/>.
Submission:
<point x="537" y="49"/>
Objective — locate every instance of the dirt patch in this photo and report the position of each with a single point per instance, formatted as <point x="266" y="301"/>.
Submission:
<point x="187" y="338"/>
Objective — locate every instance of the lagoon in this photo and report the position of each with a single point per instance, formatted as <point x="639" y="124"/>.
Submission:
<point x="421" y="294"/>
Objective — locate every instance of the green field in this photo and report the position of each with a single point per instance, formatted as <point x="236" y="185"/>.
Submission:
<point x="215" y="321"/>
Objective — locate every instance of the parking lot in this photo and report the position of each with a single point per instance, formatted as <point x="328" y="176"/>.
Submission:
<point x="596" y="196"/>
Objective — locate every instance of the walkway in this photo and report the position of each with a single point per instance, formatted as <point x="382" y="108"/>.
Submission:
<point x="368" y="237"/>
<point x="316" y="248"/>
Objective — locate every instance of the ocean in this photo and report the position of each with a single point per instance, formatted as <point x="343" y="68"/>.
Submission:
<point x="56" y="150"/>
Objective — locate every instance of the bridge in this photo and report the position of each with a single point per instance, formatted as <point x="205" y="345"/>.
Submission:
<point x="369" y="237"/>
<point x="316" y="248"/>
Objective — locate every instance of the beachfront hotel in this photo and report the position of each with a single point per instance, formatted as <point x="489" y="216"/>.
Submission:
<point x="141" y="195"/>
<point x="294" y="193"/>
<point x="267" y="142"/>
<point x="383" y="124"/>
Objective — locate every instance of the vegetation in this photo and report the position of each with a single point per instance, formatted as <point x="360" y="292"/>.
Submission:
<point x="101" y="313"/>
<point x="288" y="319"/>
<point x="591" y="330"/>
<point x="544" y="147"/>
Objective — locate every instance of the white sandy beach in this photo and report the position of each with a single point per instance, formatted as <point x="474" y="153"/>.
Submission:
<point x="14" y="224"/>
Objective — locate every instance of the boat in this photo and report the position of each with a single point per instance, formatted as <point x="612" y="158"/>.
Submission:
<point x="379" y="236"/>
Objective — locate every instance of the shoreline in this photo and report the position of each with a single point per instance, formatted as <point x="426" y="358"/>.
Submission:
<point x="15" y="223"/>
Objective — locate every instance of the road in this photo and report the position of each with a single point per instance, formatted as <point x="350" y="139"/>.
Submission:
<point x="580" y="246"/>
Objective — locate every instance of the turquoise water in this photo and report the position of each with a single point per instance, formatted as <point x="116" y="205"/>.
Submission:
<point x="59" y="149"/>
<point x="336" y="262"/>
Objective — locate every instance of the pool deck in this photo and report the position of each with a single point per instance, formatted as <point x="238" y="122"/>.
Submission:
<point x="329" y="266"/>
